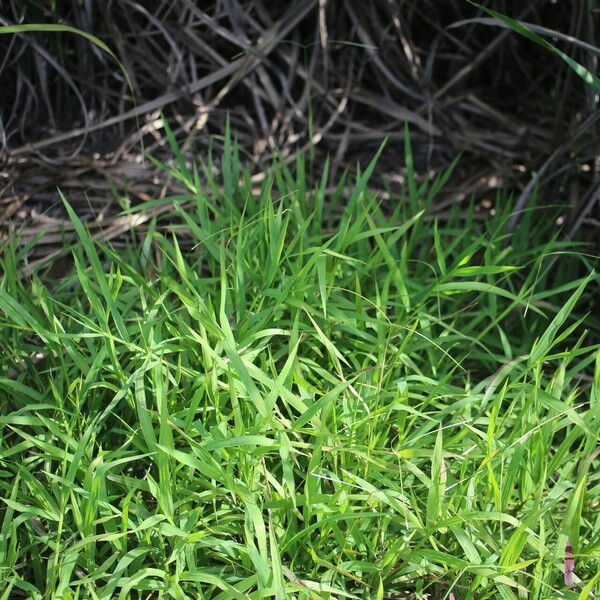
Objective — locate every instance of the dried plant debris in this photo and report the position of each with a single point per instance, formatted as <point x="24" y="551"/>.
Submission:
<point x="330" y="78"/>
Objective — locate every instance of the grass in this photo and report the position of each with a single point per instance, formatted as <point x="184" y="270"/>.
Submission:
<point x="289" y="394"/>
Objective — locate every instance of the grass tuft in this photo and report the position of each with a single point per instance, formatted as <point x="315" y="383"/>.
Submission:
<point x="267" y="397"/>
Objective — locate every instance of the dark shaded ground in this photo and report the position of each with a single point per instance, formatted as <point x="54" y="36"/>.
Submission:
<point x="330" y="78"/>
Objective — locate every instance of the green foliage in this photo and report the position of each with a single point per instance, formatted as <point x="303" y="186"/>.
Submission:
<point x="264" y="396"/>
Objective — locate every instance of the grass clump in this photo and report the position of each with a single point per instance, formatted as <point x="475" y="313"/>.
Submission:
<point x="271" y="395"/>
